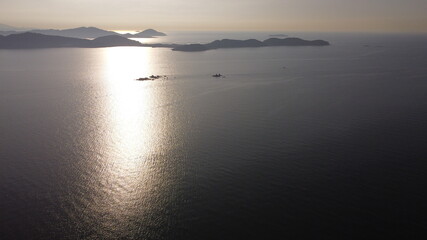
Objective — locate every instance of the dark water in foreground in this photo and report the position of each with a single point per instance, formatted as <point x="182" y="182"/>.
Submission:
<point x="332" y="146"/>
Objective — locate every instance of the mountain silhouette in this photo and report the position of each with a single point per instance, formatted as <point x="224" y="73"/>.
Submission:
<point x="81" y="32"/>
<point x="152" y="32"/>
<point x="229" y="43"/>
<point x="278" y="35"/>
<point x="148" y="33"/>
<point x="36" y="40"/>
<point x="4" y="27"/>
<point x="293" y="42"/>
<point x="113" y="41"/>
<point x="86" y="32"/>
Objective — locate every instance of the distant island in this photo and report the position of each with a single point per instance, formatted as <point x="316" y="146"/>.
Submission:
<point x="278" y="35"/>
<point x="85" y="32"/>
<point x="251" y="43"/>
<point x="148" y="33"/>
<point x="4" y="27"/>
<point x="29" y="40"/>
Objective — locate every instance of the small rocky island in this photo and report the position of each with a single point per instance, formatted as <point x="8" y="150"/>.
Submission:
<point x="218" y="75"/>
<point x="151" y="78"/>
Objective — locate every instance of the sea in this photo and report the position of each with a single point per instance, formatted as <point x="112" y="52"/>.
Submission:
<point x="291" y="143"/>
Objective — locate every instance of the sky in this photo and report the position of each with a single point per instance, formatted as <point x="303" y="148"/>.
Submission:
<point x="217" y="15"/>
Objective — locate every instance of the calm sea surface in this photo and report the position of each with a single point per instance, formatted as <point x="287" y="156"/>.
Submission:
<point x="307" y="142"/>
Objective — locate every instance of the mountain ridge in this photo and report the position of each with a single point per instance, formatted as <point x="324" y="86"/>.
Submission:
<point x="30" y="40"/>
<point x="86" y="32"/>
<point x="252" y="43"/>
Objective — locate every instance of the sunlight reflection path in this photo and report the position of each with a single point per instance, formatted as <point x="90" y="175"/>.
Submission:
<point x="135" y="136"/>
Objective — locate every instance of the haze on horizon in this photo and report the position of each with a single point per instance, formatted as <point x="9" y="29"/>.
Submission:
<point x="248" y="15"/>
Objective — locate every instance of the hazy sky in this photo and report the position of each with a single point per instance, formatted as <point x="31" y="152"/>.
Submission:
<point x="291" y="15"/>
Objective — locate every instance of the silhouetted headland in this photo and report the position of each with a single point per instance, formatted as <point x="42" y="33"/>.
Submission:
<point x="87" y="32"/>
<point x="228" y="43"/>
<point x="36" y="40"/>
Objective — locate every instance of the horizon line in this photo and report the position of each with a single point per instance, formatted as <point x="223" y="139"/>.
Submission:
<point x="224" y="30"/>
